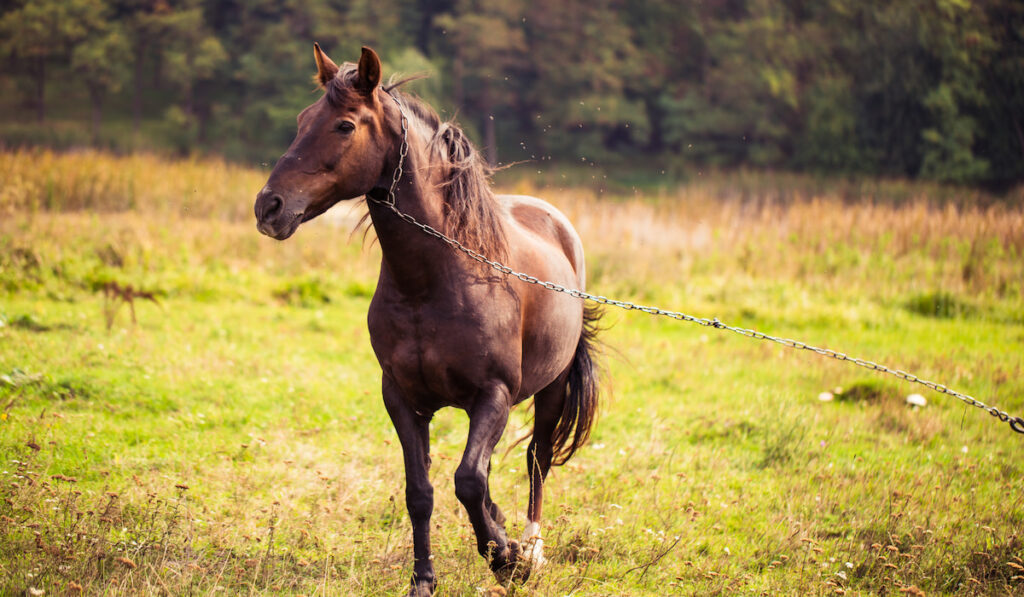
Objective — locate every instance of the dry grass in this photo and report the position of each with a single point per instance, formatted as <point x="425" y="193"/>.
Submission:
<point x="93" y="181"/>
<point x="970" y="240"/>
<point x="972" y="247"/>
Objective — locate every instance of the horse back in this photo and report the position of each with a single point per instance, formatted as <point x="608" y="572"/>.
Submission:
<point x="533" y="220"/>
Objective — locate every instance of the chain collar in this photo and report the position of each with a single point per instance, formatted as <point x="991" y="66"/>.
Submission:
<point x="403" y="150"/>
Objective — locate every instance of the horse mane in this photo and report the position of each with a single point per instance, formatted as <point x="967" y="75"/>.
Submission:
<point x="472" y="213"/>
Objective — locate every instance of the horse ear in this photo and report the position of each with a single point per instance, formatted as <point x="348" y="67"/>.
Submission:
<point x="325" y="67"/>
<point x="369" y="71"/>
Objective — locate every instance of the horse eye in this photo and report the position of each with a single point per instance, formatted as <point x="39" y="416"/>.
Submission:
<point x="345" y="126"/>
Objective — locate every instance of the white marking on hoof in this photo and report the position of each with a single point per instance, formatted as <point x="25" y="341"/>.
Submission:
<point x="533" y="546"/>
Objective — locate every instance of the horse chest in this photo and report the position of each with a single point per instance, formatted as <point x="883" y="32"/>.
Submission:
<point x="443" y="354"/>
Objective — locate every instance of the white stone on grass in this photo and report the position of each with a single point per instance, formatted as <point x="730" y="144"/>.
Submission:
<point x="916" y="400"/>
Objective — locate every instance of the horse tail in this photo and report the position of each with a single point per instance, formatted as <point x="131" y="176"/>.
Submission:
<point x="579" y="412"/>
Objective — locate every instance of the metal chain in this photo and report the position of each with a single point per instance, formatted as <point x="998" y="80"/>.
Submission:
<point x="1016" y="423"/>
<point x="403" y="150"/>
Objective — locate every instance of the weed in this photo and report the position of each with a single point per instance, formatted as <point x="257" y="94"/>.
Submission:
<point x="781" y="444"/>
<point x="359" y="290"/>
<point x="303" y="292"/>
<point x="17" y="378"/>
<point x="940" y="304"/>
<point x="24" y="321"/>
<point x="869" y="390"/>
<point x="114" y="295"/>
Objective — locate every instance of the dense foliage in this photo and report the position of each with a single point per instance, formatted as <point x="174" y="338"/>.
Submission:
<point x="916" y="88"/>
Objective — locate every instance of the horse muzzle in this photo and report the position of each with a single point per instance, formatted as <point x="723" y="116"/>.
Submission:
<point x="273" y="218"/>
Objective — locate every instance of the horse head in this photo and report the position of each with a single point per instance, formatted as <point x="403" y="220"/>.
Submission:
<point x="341" y="150"/>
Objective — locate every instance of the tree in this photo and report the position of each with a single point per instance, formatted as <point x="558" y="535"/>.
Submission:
<point x="192" y="64"/>
<point x="581" y="58"/>
<point x="148" y="25"/>
<point x="100" y="60"/>
<point x="487" y="45"/>
<point x="1001" y="120"/>
<point x="42" y="32"/>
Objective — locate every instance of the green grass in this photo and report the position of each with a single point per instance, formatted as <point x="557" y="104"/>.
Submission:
<point x="233" y="440"/>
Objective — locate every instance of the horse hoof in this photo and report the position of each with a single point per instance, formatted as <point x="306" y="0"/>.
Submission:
<point x="515" y="567"/>
<point x="533" y="553"/>
<point x="422" y="588"/>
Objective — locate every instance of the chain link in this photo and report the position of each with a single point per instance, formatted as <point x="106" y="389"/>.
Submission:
<point x="1016" y="423"/>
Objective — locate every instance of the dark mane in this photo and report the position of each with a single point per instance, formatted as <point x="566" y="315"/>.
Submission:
<point x="472" y="211"/>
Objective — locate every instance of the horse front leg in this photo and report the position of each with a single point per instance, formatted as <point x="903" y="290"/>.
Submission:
<point x="487" y="420"/>
<point x="414" y="434"/>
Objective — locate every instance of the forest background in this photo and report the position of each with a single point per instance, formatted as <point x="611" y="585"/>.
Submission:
<point x="926" y="89"/>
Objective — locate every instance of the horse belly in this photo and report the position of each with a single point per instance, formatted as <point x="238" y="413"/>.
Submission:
<point x="552" y="323"/>
<point x="549" y="342"/>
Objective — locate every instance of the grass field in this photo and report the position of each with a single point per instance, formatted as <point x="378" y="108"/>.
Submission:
<point x="232" y="441"/>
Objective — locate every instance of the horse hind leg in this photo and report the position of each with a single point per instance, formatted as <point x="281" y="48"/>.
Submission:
<point x="547" y="407"/>
<point x="564" y="413"/>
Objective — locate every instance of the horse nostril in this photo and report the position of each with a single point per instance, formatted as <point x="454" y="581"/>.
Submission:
<point x="276" y="202"/>
<point x="271" y="207"/>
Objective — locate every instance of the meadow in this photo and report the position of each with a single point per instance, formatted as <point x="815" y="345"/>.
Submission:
<point x="231" y="439"/>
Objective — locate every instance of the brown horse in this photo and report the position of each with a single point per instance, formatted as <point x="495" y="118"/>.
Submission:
<point x="447" y="330"/>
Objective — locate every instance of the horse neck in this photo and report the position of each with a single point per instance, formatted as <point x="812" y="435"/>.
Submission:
<point x="412" y="259"/>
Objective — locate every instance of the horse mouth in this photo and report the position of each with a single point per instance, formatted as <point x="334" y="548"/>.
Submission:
<point x="278" y="230"/>
<point x="281" y="226"/>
